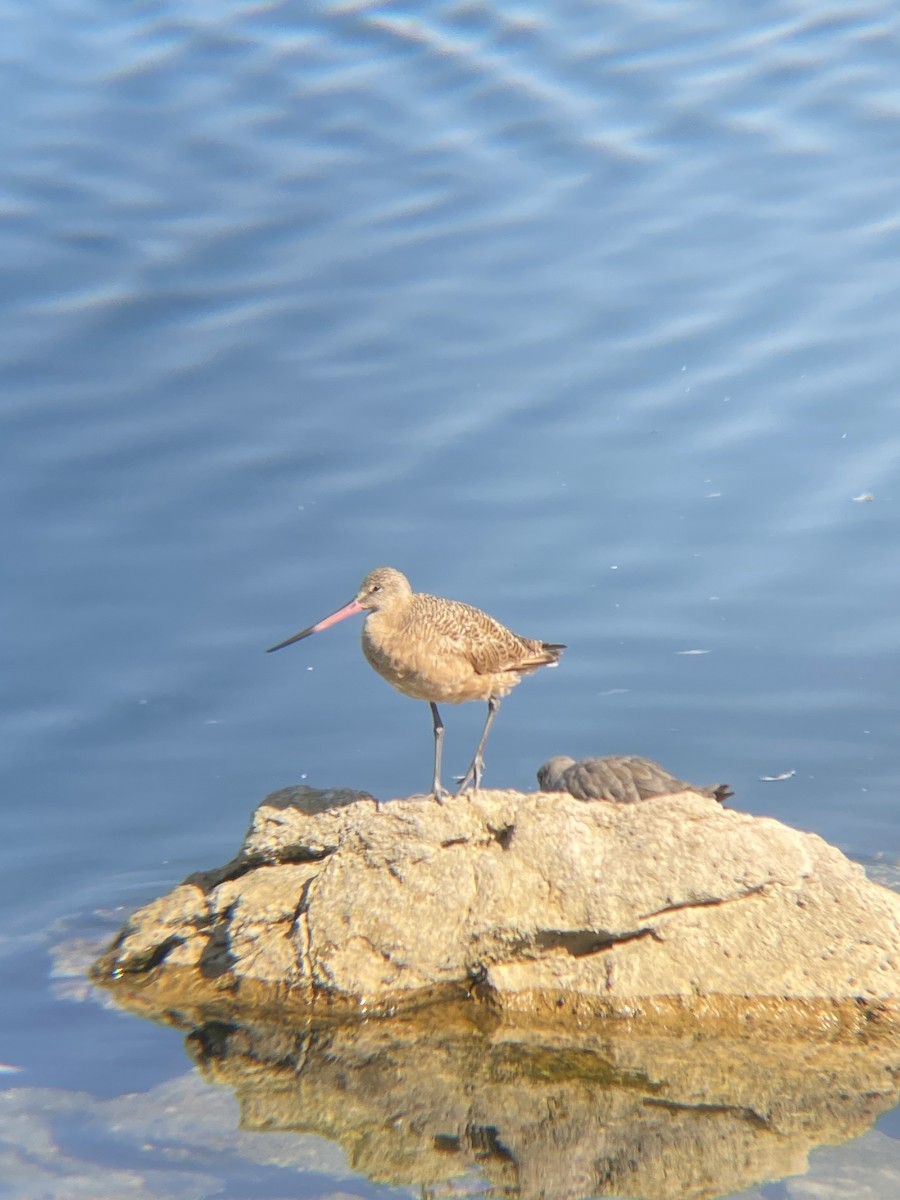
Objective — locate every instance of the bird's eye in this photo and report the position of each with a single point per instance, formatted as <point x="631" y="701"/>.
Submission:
<point x="376" y="587"/>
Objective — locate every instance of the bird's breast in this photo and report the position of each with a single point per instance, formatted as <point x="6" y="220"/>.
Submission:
<point x="422" y="664"/>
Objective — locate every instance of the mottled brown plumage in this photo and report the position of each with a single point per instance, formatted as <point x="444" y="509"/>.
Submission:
<point x="440" y="651"/>
<point x="622" y="779"/>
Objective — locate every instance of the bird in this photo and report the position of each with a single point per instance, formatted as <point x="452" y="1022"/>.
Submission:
<point x="622" y="779"/>
<point x="438" y="650"/>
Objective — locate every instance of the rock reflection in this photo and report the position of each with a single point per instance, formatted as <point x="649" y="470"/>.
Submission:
<point x="421" y="1100"/>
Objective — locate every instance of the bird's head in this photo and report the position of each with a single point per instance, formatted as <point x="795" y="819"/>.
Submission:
<point x="383" y="588"/>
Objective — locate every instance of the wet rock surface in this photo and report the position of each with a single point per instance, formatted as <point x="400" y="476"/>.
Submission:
<point x="536" y="903"/>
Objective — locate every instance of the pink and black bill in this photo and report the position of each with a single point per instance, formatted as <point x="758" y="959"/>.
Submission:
<point x="348" y="610"/>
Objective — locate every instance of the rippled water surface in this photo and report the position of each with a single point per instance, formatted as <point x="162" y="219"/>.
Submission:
<point x="584" y="313"/>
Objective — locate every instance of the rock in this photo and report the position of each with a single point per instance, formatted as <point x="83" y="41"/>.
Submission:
<point x="623" y="779"/>
<point x="534" y="903"/>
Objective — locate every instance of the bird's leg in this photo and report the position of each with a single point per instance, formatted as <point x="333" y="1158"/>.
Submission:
<point x="438" y="741"/>
<point x="473" y="775"/>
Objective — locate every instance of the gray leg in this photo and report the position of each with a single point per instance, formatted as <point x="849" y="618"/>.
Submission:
<point x="474" y="773"/>
<point x="438" y="741"/>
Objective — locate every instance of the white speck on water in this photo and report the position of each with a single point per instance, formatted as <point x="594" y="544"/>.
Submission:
<point x="777" y="778"/>
<point x="692" y="652"/>
<point x="713" y="495"/>
<point x="614" y="568"/>
<point x="863" y="498"/>
<point x="310" y="668"/>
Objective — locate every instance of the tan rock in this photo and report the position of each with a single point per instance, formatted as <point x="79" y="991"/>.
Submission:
<point x="536" y="902"/>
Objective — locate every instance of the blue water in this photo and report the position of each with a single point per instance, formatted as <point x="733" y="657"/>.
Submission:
<point x="585" y="314"/>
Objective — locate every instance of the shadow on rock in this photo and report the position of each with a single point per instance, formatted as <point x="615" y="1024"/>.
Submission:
<point x="549" y="1112"/>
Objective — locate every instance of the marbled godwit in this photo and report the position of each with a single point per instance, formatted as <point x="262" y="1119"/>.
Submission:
<point x="438" y="650"/>
<point x="620" y="778"/>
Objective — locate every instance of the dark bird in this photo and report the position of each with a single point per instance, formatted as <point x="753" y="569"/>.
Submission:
<point x="623" y="779"/>
<point x="440" y="651"/>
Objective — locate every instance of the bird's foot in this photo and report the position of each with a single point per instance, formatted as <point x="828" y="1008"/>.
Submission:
<point x="471" y="779"/>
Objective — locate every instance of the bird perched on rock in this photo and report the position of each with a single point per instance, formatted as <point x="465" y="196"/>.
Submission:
<point x="623" y="779"/>
<point x="438" y="650"/>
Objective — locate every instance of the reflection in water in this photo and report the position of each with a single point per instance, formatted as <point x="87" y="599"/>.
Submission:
<point x="550" y="1112"/>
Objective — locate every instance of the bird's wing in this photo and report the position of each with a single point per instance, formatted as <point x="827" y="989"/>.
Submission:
<point x="488" y="646"/>
<point x="602" y="779"/>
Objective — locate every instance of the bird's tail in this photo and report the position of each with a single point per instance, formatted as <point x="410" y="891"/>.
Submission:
<point x="546" y="655"/>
